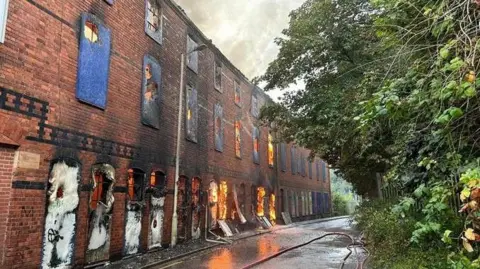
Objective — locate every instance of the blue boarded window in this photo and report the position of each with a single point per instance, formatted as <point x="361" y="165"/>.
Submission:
<point x="151" y="93"/>
<point x="327" y="203"/>
<point x="218" y="121"/>
<point x="314" y="203"/>
<point x="256" y="145"/>
<point x="317" y="165"/>
<point x="302" y="166"/>
<point x="324" y="171"/>
<point x="293" y="163"/>
<point x="310" y="170"/>
<point x="93" y="61"/>
<point x="283" y="157"/>
<point x="319" y="202"/>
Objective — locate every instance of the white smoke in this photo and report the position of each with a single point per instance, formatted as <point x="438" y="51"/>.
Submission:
<point x="244" y="30"/>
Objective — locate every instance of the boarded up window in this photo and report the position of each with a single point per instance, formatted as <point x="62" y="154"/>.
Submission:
<point x="237" y="93"/>
<point x="270" y="150"/>
<point x="3" y="19"/>
<point x="310" y="170"/>
<point x="192" y="114"/>
<point x="153" y="20"/>
<point x="93" y="62"/>
<point x="299" y="164"/>
<point x="238" y="138"/>
<point x="256" y="145"/>
<point x="254" y="106"/>
<point x="317" y="164"/>
<point x="324" y="171"/>
<point x="293" y="163"/>
<point x="218" y="117"/>
<point x="283" y="157"/>
<point x="192" y="56"/>
<point x="151" y="92"/>
<point x="217" y="79"/>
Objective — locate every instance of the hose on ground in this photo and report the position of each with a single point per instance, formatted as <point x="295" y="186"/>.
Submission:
<point x="354" y="245"/>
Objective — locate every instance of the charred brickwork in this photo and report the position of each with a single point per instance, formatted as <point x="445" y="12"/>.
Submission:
<point x="88" y="114"/>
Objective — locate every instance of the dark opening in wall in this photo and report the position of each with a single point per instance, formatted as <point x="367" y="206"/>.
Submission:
<point x="136" y="184"/>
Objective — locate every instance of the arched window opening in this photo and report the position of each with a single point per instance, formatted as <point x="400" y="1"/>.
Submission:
<point x="135" y="184"/>
<point x="260" y="200"/>
<point x="271" y="209"/>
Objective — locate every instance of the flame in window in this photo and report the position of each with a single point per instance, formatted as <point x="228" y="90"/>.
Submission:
<point x="91" y="31"/>
<point x="238" y="139"/>
<point x="222" y="200"/>
<point x="260" y="196"/>
<point x="272" y="214"/>
<point x="270" y="150"/>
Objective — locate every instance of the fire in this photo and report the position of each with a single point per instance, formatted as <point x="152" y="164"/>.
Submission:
<point x="222" y="200"/>
<point x="260" y="195"/>
<point x="270" y="150"/>
<point x="273" y="217"/>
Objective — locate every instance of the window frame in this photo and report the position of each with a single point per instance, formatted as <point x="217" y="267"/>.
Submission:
<point x="191" y="53"/>
<point x="3" y="19"/>
<point x="158" y="34"/>
<point x="217" y="65"/>
<point x="237" y="85"/>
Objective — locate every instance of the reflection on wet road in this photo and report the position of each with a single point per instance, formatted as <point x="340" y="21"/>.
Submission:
<point x="326" y="253"/>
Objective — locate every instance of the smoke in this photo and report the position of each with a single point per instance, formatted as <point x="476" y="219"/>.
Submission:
<point x="244" y="30"/>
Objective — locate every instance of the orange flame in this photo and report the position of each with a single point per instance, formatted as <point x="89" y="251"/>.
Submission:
<point x="222" y="200"/>
<point x="260" y="195"/>
<point x="273" y="216"/>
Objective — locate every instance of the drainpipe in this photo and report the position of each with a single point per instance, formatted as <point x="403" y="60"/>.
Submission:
<point x="177" y="155"/>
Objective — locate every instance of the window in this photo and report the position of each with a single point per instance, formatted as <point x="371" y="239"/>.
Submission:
<point x="310" y="170"/>
<point x="283" y="157"/>
<point x="218" y="112"/>
<point x="192" y="56"/>
<point x="254" y="106"/>
<point x="324" y="172"/>
<point x="135" y="184"/>
<point x="217" y="79"/>
<point x="270" y="150"/>
<point x="153" y="20"/>
<point x="238" y="139"/>
<point x="317" y="164"/>
<point x="151" y="92"/>
<point x="93" y="61"/>
<point x="3" y="19"/>
<point x="256" y="145"/>
<point x="237" y="89"/>
<point x="191" y="114"/>
<point x="293" y="163"/>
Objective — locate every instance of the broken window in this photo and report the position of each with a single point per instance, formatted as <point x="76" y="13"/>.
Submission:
<point x="153" y="20"/>
<point x="238" y="139"/>
<point x="136" y="181"/>
<point x="3" y="19"/>
<point x="192" y="54"/>
<point x="236" y="85"/>
<point x="260" y="200"/>
<point x="218" y="127"/>
<point x="256" y="145"/>
<point x="222" y="200"/>
<point x="254" y="106"/>
<point x="213" y="203"/>
<point x="151" y="92"/>
<point x="271" y="209"/>
<point x="218" y="76"/>
<point x="270" y="150"/>
<point x="196" y="207"/>
<point x="91" y="31"/>
<point x="100" y="191"/>
<point x="158" y="182"/>
<point x="192" y="113"/>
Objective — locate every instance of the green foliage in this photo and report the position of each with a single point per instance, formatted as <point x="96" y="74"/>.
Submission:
<point x="391" y="87"/>
<point x="388" y="239"/>
<point x="340" y="203"/>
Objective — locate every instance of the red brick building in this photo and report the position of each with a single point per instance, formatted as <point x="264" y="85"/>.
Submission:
<point x="89" y="105"/>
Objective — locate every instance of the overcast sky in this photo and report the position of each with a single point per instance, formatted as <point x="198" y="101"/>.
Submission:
<point x="243" y="30"/>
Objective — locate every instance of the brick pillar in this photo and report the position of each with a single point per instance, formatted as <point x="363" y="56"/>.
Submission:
<point x="7" y="155"/>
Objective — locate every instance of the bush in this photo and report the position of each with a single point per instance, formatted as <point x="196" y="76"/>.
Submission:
<point x="340" y="204"/>
<point x="388" y="239"/>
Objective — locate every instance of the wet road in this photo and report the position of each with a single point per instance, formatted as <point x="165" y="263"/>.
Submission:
<point x="326" y="253"/>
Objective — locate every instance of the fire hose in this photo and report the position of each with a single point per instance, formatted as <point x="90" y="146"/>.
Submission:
<point x="354" y="245"/>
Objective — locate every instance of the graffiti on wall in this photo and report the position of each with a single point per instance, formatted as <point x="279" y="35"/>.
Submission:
<point x="100" y="213"/>
<point x="158" y="185"/>
<point x="93" y="61"/>
<point x="134" y="206"/>
<point x="196" y="207"/>
<point x="192" y="113"/>
<point x="213" y="203"/>
<point x="60" y="222"/>
<point x="218" y="121"/>
<point x="151" y="92"/>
